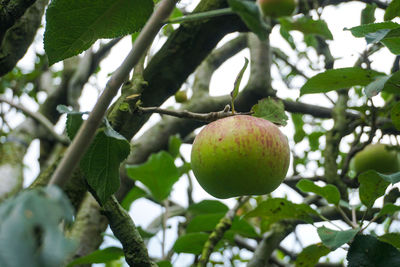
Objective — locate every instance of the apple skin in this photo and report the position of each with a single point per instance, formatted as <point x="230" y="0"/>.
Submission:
<point x="277" y="8"/>
<point x="240" y="155"/>
<point x="376" y="157"/>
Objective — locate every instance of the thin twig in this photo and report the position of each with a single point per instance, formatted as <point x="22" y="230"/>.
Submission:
<point x="87" y="132"/>
<point x="40" y="119"/>
<point x="204" y="117"/>
<point x="346" y="219"/>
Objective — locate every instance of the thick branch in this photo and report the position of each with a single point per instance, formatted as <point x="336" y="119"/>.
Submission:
<point x="125" y="230"/>
<point x="86" y="133"/>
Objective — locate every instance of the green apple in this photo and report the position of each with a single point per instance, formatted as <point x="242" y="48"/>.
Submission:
<point x="181" y="97"/>
<point x="277" y="8"/>
<point x="240" y="155"/>
<point x="376" y="157"/>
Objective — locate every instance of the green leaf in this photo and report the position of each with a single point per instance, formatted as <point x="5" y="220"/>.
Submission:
<point x="388" y="209"/>
<point x="395" y="115"/>
<point x="275" y="209"/>
<point x="191" y="243"/>
<point x="270" y="109"/>
<point x="251" y="16"/>
<point x="393" y="10"/>
<point x="158" y="174"/>
<point x="376" y="86"/>
<point x="335" y="239"/>
<point x="174" y="143"/>
<point x="391" y="238"/>
<point x="337" y="79"/>
<point x="307" y="25"/>
<point x="238" y="79"/>
<point x="368" y="14"/>
<point x="204" y="222"/>
<point x="368" y="251"/>
<point x="101" y="162"/>
<point x="134" y="194"/>
<point x="164" y="264"/>
<point x="363" y="30"/>
<point x="391" y="178"/>
<point x="392" y="41"/>
<point x="329" y="192"/>
<point x="372" y="186"/>
<point x="99" y="256"/>
<point x="299" y="132"/>
<point x="30" y="233"/>
<point x="392" y="85"/>
<point x="208" y="206"/>
<point x="73" y="26"/>
<point x="313" y="139"/>
<point x="74" y="120"/>
<point x="310" y="255"/>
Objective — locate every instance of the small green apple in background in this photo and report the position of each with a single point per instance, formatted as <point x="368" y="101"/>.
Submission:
<point x="181" y="97"/>
<point x="240" y="155"/>
<point x="376" y="157"/>
<point x="277" y="8"/>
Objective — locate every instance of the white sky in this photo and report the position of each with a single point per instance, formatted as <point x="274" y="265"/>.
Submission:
<point x="344" y="47"/>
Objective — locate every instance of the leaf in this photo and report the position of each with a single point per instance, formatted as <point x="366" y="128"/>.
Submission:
<point x="392" y="41"/>
<point x="134" y="194"/>
<point x="101" y="162"/>
<point x="164" y="264"/>
<point x="391" y="238"/>
<point x="368" y="14"/>
<point x="299" y="132"/>
<point x="190" y="243"/>
<point x="376" y="86"/>
<point x="158" y="174"/>
<point x="275" y="209"/>
<point x="391" y="178"/>
<point x="238" y="79"/>
<point x="310" y="255"/>
<point x="270" y="109"/>
<point x="99" y="256"/>
<point x="251" y="16"/>
<point x="204" y="222"/>
<point x="307" y="25"/>
<point x="372" y="186"/>
<point x="329" y="192"/>
<point x="388" y="209"/>
<point x="393" y="10"/>
<point x="363" y="30"/>
<point x="392" y="85"/>
<point x="335" y="239"/>
<point x="30" y="233"/>
<point x="74" y="120"/>
<point x="174" y="143"/>
<point x="395" y="115"/>
<point x="208" y="206"/>
<point x="73" y="26"/>
<point x="313" y="140"/>
<point x="337" y="79"/>
<point x="368" y="251"/>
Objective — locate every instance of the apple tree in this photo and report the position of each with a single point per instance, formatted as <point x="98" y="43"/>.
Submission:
<point x="100" y="168"/>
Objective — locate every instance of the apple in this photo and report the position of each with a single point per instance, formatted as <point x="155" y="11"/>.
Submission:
<point x="376" y="157"/>
<point x="240" y="155"/>
<point x="181" y="97"/>
<point x="277" y="8"/>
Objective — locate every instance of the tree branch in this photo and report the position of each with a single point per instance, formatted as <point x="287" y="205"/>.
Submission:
<point x="87" y="131"/>
<point x="125" y="230"/>
<point x="40" y="119"/>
